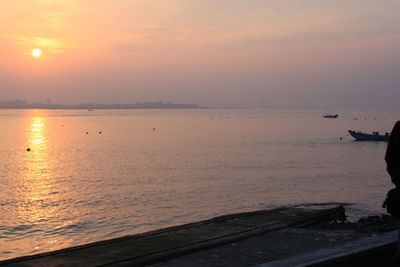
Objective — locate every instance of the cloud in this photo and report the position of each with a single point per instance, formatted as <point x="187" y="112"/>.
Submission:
<point x="51" y="45"/>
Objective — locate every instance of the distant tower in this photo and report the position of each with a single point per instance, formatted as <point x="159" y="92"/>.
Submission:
<point x="48" y="101"/>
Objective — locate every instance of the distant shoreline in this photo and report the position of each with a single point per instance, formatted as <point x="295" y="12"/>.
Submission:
<point x="157" y="105"/>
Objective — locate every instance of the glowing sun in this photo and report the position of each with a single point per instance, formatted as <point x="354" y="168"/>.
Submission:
<point x="36" y="52"/>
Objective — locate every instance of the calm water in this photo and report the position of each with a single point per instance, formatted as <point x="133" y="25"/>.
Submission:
<point x="74" y="188"/>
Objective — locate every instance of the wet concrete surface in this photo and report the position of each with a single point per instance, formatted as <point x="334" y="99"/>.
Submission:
<point x="290" y="242"/>
<point x="265" y="248"/>
<point x="244" y="239"/>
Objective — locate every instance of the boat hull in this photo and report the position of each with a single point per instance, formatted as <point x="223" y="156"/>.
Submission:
<point x="329" y="116"/>
<point x="368" y="137"/>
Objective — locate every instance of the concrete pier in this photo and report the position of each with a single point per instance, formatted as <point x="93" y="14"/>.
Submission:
<point x="242" y="239"/>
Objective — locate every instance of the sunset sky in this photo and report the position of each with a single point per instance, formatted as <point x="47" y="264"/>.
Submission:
<point x="240" y="53"/>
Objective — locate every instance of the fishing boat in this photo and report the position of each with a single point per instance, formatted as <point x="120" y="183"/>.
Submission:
<point x="375" y="136"/>
<point x="331" y="116"/>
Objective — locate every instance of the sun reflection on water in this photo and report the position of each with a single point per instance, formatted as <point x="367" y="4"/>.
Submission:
<point x="42" y="200"/>
<point x="37" y="133"/>
<point x="38" y="196"/>
<point x="37" y="172"/>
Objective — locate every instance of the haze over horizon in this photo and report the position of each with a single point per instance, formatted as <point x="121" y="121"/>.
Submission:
<point x="317" y="54"/>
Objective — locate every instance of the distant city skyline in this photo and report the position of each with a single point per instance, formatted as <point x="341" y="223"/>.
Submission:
<point x="260" y="53"/>
<point x="22" y="104"/>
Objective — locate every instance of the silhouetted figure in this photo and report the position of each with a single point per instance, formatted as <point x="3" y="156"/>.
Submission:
<point x="392" y="201"/>
<point x="340" y="214"/>
<point x="392" y="159"/>
<point x="393" y="155"/>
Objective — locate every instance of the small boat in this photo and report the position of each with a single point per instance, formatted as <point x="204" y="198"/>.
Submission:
<point x="375" y="136"/>
<point x="331" y="116"/>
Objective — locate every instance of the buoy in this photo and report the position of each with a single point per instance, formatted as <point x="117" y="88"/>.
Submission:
<point x="154" y="129"/>
<point x="28" y="149"/>
<point x="99" y="132"/>
<point x="341" y="138"/>
<point x="87" y="132"/>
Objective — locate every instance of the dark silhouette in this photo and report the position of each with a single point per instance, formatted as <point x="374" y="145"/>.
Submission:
<point x="392" y="201"/>
<point x="393" y="155"/>
<point x="392" y="159"/>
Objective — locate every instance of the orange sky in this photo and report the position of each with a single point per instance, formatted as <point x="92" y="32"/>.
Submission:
<point x="224" y="52"/>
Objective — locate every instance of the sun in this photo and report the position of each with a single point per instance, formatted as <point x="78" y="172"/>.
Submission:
<point x="36" y="52"/>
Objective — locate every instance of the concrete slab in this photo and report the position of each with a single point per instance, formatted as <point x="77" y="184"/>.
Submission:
<point x="286" y="243"/>
<point x="323" y="245"/>
<point x="167" y="243"/>
<point x="341" y="253"/>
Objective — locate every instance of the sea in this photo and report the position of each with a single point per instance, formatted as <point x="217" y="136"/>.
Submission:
<point x="71" y="177"/>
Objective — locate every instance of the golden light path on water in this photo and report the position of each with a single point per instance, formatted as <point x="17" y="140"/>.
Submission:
<point x="36" y="168"/>
<point x="39" y="186"/>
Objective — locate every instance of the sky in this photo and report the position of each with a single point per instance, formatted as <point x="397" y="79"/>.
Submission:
<point x="216" y="53"/>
